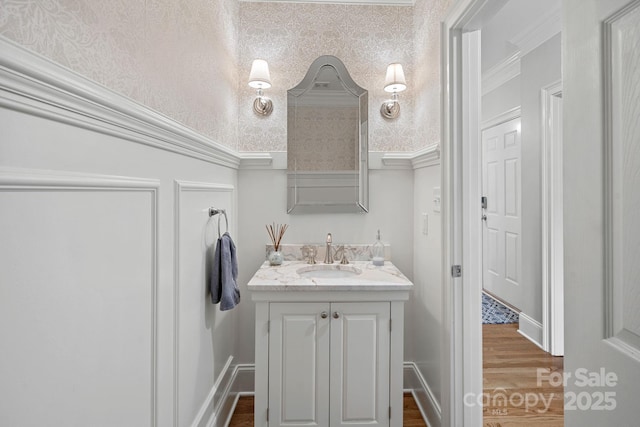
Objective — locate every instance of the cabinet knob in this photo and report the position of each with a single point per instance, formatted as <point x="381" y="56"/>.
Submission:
<point x="336" y="315"/>
<point x="324" y="314"/>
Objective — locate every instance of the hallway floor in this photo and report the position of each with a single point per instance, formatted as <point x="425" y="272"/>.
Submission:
<point x="511" y="386"/>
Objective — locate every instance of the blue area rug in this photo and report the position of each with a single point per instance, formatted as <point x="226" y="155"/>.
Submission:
<point x="494" y="312"/>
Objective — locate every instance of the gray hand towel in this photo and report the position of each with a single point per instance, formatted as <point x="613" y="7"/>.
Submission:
<point x="224" y="286"/>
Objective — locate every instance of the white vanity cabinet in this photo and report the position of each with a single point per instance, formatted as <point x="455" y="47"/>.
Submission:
<point x="328" y="354"/>
<point x="329" y="363"/>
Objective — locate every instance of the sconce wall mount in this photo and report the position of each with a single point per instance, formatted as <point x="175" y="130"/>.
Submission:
<point x="260" y="79"/>
<point x="394" y="82"/>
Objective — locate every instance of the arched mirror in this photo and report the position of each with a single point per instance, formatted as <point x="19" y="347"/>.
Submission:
<point x="327" y="150"/>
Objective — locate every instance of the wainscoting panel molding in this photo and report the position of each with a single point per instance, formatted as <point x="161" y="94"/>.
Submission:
<point x="428" y="156"/>
<point x="202" y="332"/>
<point x="78" y="313"/>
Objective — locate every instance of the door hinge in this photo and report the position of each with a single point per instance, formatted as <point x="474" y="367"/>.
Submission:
<point x="389" y="412"/>
<point x="268" y="326"/>
<point x="456" y="270"/>
<point x="390" y="320"/>
<point x="267" y="414"/>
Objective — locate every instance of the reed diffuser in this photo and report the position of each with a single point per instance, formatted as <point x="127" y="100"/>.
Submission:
<point x="276" y="232"/>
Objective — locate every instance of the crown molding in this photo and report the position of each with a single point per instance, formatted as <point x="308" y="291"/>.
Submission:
<point x="501" y="73"/>
<point x="541" y="30"/>
<point x="33" y="84"/>
<point x="526" y="40"/>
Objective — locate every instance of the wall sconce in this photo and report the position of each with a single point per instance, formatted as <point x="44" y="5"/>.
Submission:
<point x="394" y="83"/>
<point x="259" y="78"/>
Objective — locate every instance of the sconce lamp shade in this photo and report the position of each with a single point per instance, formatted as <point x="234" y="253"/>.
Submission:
<point x="259" y="77"/>
<point x="395" y="81"/>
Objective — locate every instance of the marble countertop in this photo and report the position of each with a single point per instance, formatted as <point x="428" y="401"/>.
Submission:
<point x="286" y="278"/>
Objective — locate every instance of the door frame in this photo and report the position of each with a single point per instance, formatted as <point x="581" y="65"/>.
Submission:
<point x="552" y="221"/>
<point x="462" y="319"/>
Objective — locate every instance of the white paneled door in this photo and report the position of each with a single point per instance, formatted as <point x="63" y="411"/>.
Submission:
<point x="601" y="205"/>
<point x="502" y="240"/>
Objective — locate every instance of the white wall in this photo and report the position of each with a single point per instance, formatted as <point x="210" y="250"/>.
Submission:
<point x="104" y="314"/>
<point x="262" y="200"/>
<point x="425" y="306"/>
<point x="538" y="69"/>
<point x="504" y="98"/>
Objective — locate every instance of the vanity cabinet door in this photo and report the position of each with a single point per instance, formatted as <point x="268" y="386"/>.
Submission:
<point x="360" y="345"/>
<point x="299" y="364"/>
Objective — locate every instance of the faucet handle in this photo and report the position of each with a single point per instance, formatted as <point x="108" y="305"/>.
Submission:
<point x="343" y="258"/>
<point x="341" y="253"/>
<point x="309" y="252"/>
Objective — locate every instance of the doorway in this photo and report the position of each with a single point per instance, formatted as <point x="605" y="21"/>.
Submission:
<point x="462" y="182"/>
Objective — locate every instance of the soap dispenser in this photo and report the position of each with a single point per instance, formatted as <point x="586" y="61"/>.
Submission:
<point x="377" y="252"/>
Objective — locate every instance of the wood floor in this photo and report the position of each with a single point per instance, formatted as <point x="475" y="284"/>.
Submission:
<point x="243" y="415"/>
<point x="513" y="394"/>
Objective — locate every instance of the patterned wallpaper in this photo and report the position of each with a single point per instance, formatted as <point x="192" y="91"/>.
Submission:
<point x="289" y="36"/>
<point x="427" y="17"/>
<point x="190" y="59"/>
<point x="177" y="57"/>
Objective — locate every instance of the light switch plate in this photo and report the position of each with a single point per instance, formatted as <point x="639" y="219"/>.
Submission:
<point x="436" y="199"/>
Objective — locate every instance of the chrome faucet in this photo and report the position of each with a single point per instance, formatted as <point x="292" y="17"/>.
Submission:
<point x="328" y="257"/>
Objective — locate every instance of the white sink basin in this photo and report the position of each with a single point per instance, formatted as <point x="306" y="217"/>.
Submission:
<point x="330" y="271"/>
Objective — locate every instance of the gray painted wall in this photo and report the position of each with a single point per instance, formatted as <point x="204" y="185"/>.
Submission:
<point x="538" y="69"/>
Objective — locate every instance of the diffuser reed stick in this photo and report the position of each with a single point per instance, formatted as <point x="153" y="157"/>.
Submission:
<point x="276" y="232"/>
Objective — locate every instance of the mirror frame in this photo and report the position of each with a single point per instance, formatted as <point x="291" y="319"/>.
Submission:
<point x="361" y="202"/>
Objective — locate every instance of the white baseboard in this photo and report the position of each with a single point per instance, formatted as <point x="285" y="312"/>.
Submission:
<point x="218" y="407"/>
<point x="419" y="388"/>
<point x="217" y="397"/>
<point x="241" y="383"/>
<point x="531" y="329"/>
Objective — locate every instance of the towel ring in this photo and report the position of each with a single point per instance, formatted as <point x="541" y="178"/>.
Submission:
<point x="214" y="211"/>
